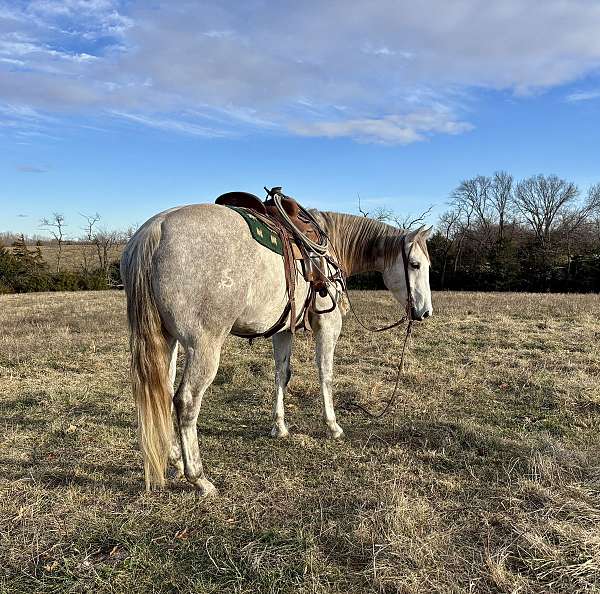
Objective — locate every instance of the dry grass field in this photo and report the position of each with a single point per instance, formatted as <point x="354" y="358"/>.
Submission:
<point x="483" y="478"/>
<point x="76" y="256"/>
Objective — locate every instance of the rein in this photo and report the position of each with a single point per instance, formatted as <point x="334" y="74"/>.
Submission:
<point x="408" y="317"/>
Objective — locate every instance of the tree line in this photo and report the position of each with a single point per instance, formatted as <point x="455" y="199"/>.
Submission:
<point x="541" y="233"/>
<point x="93" y="266"/>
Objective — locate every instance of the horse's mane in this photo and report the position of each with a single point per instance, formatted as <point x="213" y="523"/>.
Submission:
<point x="360" y="241"/>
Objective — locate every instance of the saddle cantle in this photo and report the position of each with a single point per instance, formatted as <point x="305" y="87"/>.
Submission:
<point x="293" y="225"/>
<point x="242" y="200"/>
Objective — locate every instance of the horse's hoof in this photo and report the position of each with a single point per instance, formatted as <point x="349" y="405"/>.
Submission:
<point x="279" y="432"/>
<point x="336" y="432"/>
<point x="205" y="488"/>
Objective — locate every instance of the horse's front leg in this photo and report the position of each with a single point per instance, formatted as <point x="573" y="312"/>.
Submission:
<point x="282" y="352"/>
<point x="327" y="328"/>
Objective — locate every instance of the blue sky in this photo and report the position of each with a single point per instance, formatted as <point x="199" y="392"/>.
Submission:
<point x="128" y="108"/>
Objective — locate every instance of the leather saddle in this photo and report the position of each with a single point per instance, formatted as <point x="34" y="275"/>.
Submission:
<point x="268" y="209"/>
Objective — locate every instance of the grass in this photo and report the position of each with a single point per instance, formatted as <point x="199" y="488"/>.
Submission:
<point x="75" y="256"/>
<point x="483" y="478"/>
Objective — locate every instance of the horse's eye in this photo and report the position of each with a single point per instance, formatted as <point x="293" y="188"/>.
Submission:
<point x="415" y="265"/>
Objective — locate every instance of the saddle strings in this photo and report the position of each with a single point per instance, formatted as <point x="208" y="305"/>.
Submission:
<point x="318" y="248"/>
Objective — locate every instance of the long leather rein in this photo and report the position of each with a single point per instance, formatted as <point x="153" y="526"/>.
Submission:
<point x="408" y="317"/>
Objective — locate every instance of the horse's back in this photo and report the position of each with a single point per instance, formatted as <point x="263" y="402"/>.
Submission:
<point x="208" y="270"/>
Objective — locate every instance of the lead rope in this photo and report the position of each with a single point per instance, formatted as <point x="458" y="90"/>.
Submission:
<point x="406" y="318"/>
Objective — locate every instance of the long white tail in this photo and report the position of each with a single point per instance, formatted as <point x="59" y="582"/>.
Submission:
<point x="149" y="354"/>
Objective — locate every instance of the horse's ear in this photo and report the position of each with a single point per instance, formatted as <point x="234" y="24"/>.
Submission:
<point x="416" y="233"/>
<point x="426" y="234"/>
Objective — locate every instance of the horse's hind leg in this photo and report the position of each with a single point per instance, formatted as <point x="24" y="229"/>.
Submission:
<point x="282" y="351"/>
<point x="202" y="362"/>
<point x="175" y="459"/>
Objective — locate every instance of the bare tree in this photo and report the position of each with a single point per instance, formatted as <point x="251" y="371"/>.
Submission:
<point x="474" y="195"/>
<point x="501" y="190"/>
<point x="55" y="226"/>
<point x="593" y="199"/>
<point x="386" y="215"/>
<point x="576" y="224"/>
<point x="447" y="225"/>
<point x="541" y="201"/>
<point x="410" y="220"/>
<point x="130" y="231"/>
<point x="364" y="213"/>
<point x="88" y="238"/>
<point x="381" y="213"/>
<point x="90" y="222"/>
<point x="105" y="242"/>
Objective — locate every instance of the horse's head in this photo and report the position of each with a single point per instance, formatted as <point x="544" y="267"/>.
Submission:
<point x="411" y="264"/>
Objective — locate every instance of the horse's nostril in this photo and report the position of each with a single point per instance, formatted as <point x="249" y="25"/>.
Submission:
<point x="427" y="314"/>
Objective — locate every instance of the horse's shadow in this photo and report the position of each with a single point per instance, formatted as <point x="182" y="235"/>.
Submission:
<point x="54" y="461"/>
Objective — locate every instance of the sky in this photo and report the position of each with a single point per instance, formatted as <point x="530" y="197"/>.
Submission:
<point x="127" y="108"/>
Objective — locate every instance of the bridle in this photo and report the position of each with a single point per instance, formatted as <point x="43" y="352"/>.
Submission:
<point x="408" y="315"/>
<point x="409" y="296"/>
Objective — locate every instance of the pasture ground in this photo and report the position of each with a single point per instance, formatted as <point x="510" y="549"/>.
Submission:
<point x="75" y="256"/>
<point x="484" y="477"/>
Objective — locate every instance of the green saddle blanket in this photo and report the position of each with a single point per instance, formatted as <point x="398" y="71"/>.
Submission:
<point x="259" y="230"/>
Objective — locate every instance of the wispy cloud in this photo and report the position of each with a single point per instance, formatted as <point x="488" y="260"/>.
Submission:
<point x="220" y="68"/>
<point x="30" y="169"/>
<point x="173" y="125"/>
<point x="583" y="96"/>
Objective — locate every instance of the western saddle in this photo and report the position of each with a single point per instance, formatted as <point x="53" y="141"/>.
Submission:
<point x="303" y="241"/>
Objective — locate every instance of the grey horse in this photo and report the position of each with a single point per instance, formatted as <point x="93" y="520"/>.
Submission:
<point x="193" y="275"/>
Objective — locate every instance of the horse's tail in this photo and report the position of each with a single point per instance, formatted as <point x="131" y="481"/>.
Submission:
<point x="149" y="354"/>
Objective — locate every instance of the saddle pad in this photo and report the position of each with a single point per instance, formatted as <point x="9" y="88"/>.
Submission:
<point x="260" y="231"/>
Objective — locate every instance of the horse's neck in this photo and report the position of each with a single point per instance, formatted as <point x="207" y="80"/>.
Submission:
<point x="363" y="261"/>
<point x="358" y="246"/>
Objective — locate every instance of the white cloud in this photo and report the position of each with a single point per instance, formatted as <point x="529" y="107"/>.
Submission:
<point x="366" y="70"/>
<point x="393" y="129"/>
<point x="583" y="96"/>
<point x="381" y="50"/>
<point x="172" y="125"/>
<point x="12" y="61"/>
